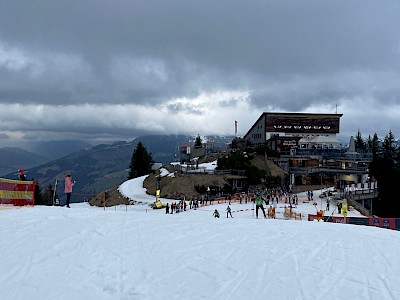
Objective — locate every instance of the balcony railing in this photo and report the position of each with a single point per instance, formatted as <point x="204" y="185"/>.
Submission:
<point x="329" y="169"/>
<point x="334" y="154"/>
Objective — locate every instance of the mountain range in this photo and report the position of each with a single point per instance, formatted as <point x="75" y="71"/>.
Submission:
<point x="104" y="166"/>
<point x="13" y="159"/>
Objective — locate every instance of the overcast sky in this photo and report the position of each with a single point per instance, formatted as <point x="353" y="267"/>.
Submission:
<point x="118" y="69"/>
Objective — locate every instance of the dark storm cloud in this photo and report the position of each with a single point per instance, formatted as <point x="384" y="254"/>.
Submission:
<point x="266" y="39"/>
<point x="289" y="55"/>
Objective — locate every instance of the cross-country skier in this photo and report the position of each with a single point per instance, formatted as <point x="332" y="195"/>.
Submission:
<point x="228" y="211"/>
<point x="259" y="204"/>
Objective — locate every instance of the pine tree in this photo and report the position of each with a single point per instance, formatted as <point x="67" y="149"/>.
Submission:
<point x="359" y="142"/>
<point x="38" y="194"/>
<point x="389" y="148"/>
<point x="375" y="146"/>
<point x="368" y="143"/>
<point x="47" y="195"/>
<point x="141" y="162"/>
<point x="198" y="143"/>
<point x="386" y="172"/>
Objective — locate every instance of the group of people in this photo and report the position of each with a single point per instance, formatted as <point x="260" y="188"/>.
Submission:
<point x="268" y="197"/>
<point x="259" y="205"/>
<point x="175" y="207"/>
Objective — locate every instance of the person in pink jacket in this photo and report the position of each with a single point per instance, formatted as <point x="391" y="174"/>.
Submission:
<point x="68" y="187"/>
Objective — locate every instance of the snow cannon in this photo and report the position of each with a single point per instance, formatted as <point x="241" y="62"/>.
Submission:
<point x="157" y="204"/>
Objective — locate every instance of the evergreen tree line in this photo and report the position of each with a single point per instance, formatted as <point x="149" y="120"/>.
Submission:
<point x="385" y="168"/>
<point x="44" y="196"/>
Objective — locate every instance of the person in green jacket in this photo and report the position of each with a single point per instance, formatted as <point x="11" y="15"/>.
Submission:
<point x="216" y="214"/>
<point x="259" y="204"/>
<point x="228" y="211"/>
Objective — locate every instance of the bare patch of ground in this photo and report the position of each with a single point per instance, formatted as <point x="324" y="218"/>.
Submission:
<point x="182" y="184"/>
<point x="275" y="170"/>
<point x="112" y="197"/>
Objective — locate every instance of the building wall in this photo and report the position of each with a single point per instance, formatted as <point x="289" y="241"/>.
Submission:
<point x="293" y="124"/>
<point x="302" y="123"/>
<point x="257" y="133"/>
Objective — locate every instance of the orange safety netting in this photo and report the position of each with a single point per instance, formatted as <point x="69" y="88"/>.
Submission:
<point x="17" y="192"/>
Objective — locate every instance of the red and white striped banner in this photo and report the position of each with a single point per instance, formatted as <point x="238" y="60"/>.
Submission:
<point x="17" y="192"/>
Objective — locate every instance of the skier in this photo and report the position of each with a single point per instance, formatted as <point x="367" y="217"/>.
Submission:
<point x="216" y="213"/>
<point x="68" y="188"/>
<point x="339" y="206"/>
<point x="327" y="204"/>
<point x="167" y="209"/>
<point x="228" y="212"/>
<point x="259" y="204"/>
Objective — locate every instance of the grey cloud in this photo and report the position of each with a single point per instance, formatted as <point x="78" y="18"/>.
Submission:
<point x="228" y="103"/>
<point x="179" y="107"/>
<point x="87" y="134"/>
<point x="264" y="39"/>
<point x="4" y="136"/>
<point x="289" y="55"/>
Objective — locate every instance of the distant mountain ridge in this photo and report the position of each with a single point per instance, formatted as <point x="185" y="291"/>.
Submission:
<point x="56" y="149"/>
<point x="104" y="166"/>
<point x="13" y="158"/>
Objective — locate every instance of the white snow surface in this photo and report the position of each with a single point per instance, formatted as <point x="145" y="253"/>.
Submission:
<point x="129" y="253"/>
<point x="204" y="167"/>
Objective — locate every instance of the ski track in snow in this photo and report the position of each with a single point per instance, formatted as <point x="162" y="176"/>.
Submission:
<point x="88" y="253"/>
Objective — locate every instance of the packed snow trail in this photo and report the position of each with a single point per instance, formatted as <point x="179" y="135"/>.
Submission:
<point x="89" y="253"/>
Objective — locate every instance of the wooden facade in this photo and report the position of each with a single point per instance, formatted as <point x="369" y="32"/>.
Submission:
<point x="293" y="124"/>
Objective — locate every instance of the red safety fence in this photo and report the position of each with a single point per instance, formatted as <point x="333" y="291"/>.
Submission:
<point x="17" y="192"/>
<point x="389" y="223"/>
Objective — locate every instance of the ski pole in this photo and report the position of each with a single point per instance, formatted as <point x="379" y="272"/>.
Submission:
<point x="55" y="189"/>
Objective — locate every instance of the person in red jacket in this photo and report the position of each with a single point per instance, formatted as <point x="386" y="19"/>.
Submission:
<point x="21" y="175"/>
<point x="68" y="187"/>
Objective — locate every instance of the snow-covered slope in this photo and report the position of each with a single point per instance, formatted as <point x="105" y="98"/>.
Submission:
<point x="139" y="253"/>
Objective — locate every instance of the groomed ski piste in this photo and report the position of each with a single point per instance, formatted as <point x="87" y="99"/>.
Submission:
<point x="135" y="252"/>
